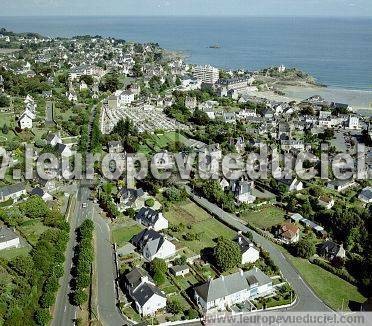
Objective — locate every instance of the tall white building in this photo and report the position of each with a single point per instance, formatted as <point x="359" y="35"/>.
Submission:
<point x="207" y="74"/>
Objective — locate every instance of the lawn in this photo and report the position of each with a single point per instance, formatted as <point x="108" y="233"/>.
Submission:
<point x="264" y="217"/>
<point x="121" y="235"/>
<point x="9" y="254"/>
<point x="198" y="221"/>
<point x="32" y="230"/>
<point x="330" y="288"/>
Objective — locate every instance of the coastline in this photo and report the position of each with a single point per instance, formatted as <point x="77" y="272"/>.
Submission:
<point x="360" y="100"/>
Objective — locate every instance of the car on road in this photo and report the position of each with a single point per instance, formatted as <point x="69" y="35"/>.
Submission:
<point x="84" y="205"/>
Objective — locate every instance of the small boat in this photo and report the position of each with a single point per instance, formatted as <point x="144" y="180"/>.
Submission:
<point x="215" y="46"/>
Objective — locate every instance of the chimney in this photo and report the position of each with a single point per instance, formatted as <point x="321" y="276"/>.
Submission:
<point x="251" y="244"/>
<point x="241" y="272"/>
<point x="240" y="233"/>
<point x="144" y="279"/>
<point x="222" y="278"/>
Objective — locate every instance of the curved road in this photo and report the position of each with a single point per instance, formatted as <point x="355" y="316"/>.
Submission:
<point x="307" y="301"/>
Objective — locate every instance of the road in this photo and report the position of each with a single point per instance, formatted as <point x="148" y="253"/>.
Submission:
<point x="49" y="113"/>
<point x="108" y="311"/>
<point x="65" y="313"/>
<point x="307" y="301"/>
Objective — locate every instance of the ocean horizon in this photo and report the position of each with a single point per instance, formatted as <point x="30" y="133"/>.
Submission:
<point x="336" y="51"/>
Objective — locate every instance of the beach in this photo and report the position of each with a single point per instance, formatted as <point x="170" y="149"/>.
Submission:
<point x="360" y="100"/>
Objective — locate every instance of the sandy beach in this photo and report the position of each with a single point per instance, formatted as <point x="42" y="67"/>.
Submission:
<point x="358" y="99"/>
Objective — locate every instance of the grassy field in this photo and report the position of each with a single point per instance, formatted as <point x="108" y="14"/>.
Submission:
<point x="121" y="235"/>
<point x="189" y="214"/>
<point x="32" y="230"/>
<point x="331" y="289"/>
<point x="265" y="217"/>
<point x="9" y="254"/>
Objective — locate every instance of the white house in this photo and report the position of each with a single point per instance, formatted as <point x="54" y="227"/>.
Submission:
<point x="54" y="139"/>
<point x="340" y="185"/>
<point x="42" y="194"/>
<point x="141" y="288"/>
<point x="326" y="202"/>
<point x="151" y="219"/>
<point x="153" y="245"/>
<point x="8" y="239"/>
<point x="12" y="192"/>
<point x="366" y="195"/>
<point x="250" y="253"/>
<point x="125" y="97"/>
<point x="243" y="191"/>
<point x="226" y="291"/>
<point x="353" y="123"/>
<point x="25" y="120"/>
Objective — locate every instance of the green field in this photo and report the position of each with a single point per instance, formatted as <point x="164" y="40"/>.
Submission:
<point x="121" y="235"/>
<point x="32" y="230"/>
<point x="189" y="214"/>
<point x="334" y="291"/>
<point x="9" y="254"/>
<point x="265" y="217"/>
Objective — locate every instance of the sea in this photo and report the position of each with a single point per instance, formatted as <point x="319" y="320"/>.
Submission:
<point x="336" y="51"/>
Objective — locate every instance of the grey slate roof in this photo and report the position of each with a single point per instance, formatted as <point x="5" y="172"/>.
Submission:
<point x="149" y="237"/>
<point x="234" y="283"/>
<point x="147" y="216"/>
<point x="329" y="248"/>
<point x="7" y="234"/>
<point x="12" y="189"/>
<point x="244" y="243"/>
<point x="133" y="278"/>
<point x="144" y="292"/>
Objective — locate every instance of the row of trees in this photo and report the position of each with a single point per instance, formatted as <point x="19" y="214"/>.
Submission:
<point x="84" y="255"/>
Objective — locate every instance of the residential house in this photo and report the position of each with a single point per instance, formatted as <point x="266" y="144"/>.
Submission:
<point x="243" y="191"/>
<point x="331" y="250"/>
<point x="153" y="245"/>
<point x="141" y="289"/>
<point x="366" y="195"/>
<point x="250" y="253"/>
<point x="151" y="219"/>
<point x="64" y="150"/>
<point x="229" y="117"/>
<point x="25" y="120"/>
<point x="8" y="238"/>
<point x="288" y="233"/>
<point x="326" y="202"/>
<point x="15" y="192"/>
<point x="131" y="198"/>
<point x="292" y="184"/>
<point x="53" y="139"/>
<point x="340" y="185"/>
<point x="180" y="270"/>
<point x="226" y="291"/>
<point x="41" y="193"/>
<point x="115" y="147"/>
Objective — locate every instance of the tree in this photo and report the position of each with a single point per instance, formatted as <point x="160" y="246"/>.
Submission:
<point x="79" y="297"/>
<point x="5" y="129"/>
<point x="192" y="314"/>
<point x="159" y="278"/>
<point x="42" y="317"/>
<point x="4" y="101"/>
<point x="174" y="307"/>
<point x="149" y="202"/>
<point x="158" y="265"/>
<point x="305" y="248"/>
<point x="227" y="254"/>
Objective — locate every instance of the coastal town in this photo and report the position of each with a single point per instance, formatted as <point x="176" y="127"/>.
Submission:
<point x="170" y="251"/>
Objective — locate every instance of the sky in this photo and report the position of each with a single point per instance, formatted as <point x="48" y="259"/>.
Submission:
<point x="339" y="8"/>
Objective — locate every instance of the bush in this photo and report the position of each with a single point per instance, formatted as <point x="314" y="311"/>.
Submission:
<point x="192" y="314"/>
<point x="158" y="265"/>
<point x="150" y="202"/>
<point x="174" y="307"/>
<point x="305" y="248"/>
<point x="339" y="272"/>
<point x="159" y="278"/>
<point x="227" y="254"/>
